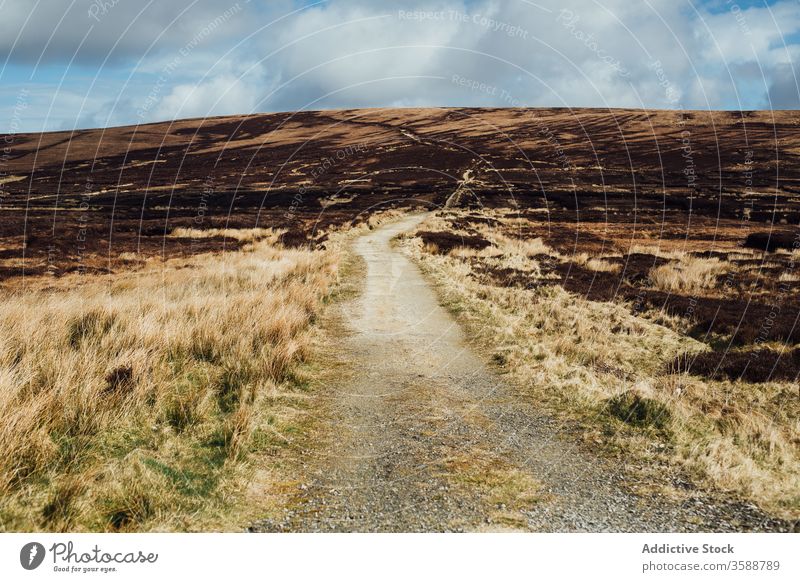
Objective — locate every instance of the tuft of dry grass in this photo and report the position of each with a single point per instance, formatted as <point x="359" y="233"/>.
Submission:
<point x="597" y="264"/>
<point x="603" y="266"/>
<point x="689" y="274"/>
<point x="134" y="405"/>
<point x="656" y="251"/>
<point x="504" y="488"/>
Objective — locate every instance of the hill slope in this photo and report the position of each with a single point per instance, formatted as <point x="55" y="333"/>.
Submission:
<point x="71" y="197"/>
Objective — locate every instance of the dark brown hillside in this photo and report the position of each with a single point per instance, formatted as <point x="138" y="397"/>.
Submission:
<point x="76" y="200"/>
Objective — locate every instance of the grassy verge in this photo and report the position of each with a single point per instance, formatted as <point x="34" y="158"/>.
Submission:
<point x="609" y="370"/>
<point x="141" y="404"/>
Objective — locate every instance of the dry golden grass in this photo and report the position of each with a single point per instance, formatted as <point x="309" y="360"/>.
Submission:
<point x="603" y="266"/>
<point x="519" y="246"/>
<point x="657" y="251"/>
<point x="135" y="405"/>
<point x="688" y="274"/>
<point x="597" y="264"/>
<point x="789" y="277"/>
<point x="599" y="363"/>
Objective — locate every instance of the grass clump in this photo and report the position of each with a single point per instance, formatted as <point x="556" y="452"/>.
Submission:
<point x="688" y="275"/>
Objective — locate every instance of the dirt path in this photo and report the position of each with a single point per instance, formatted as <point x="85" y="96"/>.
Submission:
<point x="419" y="435"/>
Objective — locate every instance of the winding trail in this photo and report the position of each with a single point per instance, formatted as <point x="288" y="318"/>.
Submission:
<point x="419" y="435"/>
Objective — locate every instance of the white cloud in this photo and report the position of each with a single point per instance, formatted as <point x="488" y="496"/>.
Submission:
<point x="350" y="53"/>
<point x="90" y="31"/>
<point x="225" y="94"/>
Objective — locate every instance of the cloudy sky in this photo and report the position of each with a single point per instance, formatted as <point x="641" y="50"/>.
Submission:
<point x="76" y="63"/>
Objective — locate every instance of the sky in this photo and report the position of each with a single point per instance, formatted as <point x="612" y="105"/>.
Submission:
<point x="70" y="64"/>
